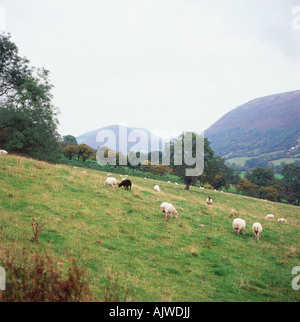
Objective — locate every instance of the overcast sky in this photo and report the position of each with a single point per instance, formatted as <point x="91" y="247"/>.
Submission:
<point x="157" y="64"/>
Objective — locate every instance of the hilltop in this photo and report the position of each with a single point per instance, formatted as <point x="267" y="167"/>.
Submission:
<point x="265" y="127"/>
<point x="129" y="249"/>
<point x="92" y="139"/>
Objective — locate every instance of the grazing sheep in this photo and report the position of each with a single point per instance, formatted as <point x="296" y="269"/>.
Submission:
<point x="282" y="220"/>
<point x="145" y="178"/>
<point x="156" y="188"/>
<point x="168" y="209"/>
<point x="176" y="183"/>
<point x="126" y="184"/>
<point x="257" y="230"/>
<point x="111" y="182"/>
<point x="3" y="152"/>
<point x="270" y="217"/>
<point x="239" y="225"/>
<point x="109" y="175"/>
<point x="209" y="201"/>
<point x="202" y="188"/>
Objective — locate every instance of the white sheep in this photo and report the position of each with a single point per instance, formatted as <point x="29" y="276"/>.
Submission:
<point x="239" y="225"/>
<point x="111" y="182"/>
<point x="109" y="175"/>
<point x="168" y="209"/>
<point x="176" y="183"/>
<point x="282" y="220"/>
<point x="3" y="152"/>
<point x="156" y="188"/>
<point x="270" y="217"/>
<point x="257" y="230"/>
<point x="209" y="201"/>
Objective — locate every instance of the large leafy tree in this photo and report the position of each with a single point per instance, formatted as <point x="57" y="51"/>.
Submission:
<point x="291" y="179"/>
<point x="180" y="170"/>
<point x="260" y="176"/>
<point x="28" y="119"/>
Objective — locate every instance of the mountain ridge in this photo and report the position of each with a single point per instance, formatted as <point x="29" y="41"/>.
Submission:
<point x="262" y="126"/>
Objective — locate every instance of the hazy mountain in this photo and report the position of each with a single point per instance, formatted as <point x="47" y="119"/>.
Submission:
<point x="267" y="125"/>
<point x="144" y="140"/>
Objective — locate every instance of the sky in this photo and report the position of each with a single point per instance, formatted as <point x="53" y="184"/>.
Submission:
<point x="166" y="65"/>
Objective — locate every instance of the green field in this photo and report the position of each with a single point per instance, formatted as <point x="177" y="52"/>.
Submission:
<point x="122" y="236"/>
<point x="240" y="161"/>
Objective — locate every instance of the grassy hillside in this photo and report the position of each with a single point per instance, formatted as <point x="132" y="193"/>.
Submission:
<point x="125" y="242"/>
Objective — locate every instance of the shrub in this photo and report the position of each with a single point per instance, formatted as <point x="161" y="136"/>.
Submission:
<point x="269" y="193"/>
<point x="37" y="278"/>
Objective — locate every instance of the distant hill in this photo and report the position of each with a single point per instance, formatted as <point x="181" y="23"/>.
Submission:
<point x="144" y="142"/>
<point x="267" y="126"/>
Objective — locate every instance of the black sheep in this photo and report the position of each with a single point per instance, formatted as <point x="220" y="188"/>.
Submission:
<point x="126" y="184"/>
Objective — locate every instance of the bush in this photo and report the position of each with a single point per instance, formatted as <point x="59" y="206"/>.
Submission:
<point x="269" y="193"/>
<point x="37" y="278"/>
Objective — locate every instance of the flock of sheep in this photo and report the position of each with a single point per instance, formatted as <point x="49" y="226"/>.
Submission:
<point x="239" y="225"/>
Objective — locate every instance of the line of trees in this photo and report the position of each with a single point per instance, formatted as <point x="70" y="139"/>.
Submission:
<point x="261" y="183"/>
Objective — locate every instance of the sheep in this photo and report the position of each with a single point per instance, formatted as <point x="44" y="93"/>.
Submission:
<point x="109" y="175"/>
<point x="110" y="181"/>
<point x="126" y="184"/>
<point x="176" y="183"/>
<point x="209" y="201"/>
<point x="3" y="152"/>
<point x="257" y="230"/>
<point x="168" y="209"/>
<point x="239" y="225"/>
<point x="156" y="188"/>
<point x="270" y="217"/>
<point x="282" y="220"/>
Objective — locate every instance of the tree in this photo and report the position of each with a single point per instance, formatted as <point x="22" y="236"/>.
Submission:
<point x="248" y="188"/>
<point x="71" y="139"/>
<point x="180" y="170"/>
<point x="291" y="180"/>
<point x="269" y="193"/>
<point x="84" y="152"/>
<point x="261" y="176"/>
<point x="70" y="151"/>
<point x="28" y="119"/>
<point x="160" y="170"/>
<point x="219" y="182"/>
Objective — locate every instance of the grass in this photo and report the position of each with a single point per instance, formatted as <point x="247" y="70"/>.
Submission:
<point x="129" y="250"/>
